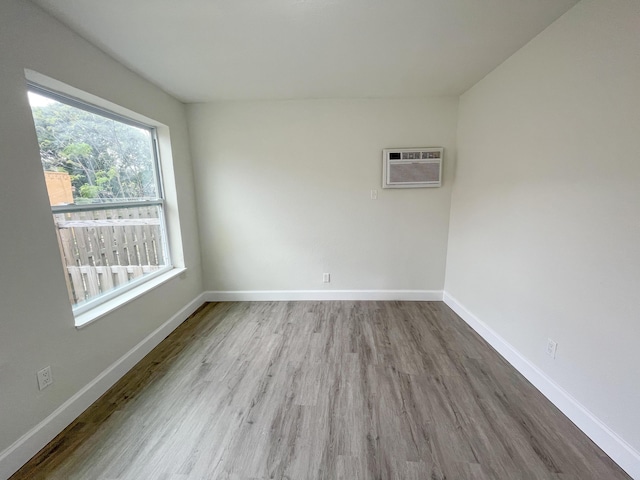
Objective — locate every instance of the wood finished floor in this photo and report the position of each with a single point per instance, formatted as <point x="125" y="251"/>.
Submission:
<point x="322" y="390"/>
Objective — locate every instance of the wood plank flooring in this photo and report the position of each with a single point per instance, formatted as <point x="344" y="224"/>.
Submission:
<point x="322" y="390"/>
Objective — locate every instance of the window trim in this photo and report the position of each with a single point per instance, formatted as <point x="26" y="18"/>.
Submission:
<point x="90" y="207"/>
<point x="105" y="308"/>
<point x="92" y="309"/>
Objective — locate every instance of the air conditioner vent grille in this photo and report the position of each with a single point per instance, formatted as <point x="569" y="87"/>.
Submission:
<point x="409" y="172"/>
<point x="412" y="167"/>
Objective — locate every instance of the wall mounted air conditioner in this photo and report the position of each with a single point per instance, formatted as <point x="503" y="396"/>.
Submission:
<point x="412" y="167"/>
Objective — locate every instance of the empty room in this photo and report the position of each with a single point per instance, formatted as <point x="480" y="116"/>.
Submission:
<point x="320" y="239"/>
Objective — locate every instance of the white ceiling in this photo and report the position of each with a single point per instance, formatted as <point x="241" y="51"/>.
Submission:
<point x="204" y="50"/>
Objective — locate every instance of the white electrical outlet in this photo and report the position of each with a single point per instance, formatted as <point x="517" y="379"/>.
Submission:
<point x="374" y="194"/>
<point x="326" y="278"/>
<point x="552" y="347"/>
<point x="44" y="378"/>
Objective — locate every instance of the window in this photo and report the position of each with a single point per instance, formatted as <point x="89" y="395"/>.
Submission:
<point x="105" y="189"/>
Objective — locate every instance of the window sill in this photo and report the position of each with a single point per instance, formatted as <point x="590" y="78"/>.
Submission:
<point x="106" y="308"/>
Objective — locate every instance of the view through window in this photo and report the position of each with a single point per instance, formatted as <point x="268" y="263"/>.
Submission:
<point x="102" y="176"/>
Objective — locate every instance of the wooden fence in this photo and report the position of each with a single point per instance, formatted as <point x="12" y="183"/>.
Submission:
<point x="103" y="249"/>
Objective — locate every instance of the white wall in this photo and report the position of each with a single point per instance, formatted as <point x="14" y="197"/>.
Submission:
<point x="36" y="322"/>
<point x="545" y="221"/>
<point x="283" y="190"/>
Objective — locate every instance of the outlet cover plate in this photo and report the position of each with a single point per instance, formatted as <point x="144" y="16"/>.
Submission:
<point x="44" y="378"/>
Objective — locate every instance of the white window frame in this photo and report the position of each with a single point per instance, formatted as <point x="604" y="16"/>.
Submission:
<point x="94" y="308"/>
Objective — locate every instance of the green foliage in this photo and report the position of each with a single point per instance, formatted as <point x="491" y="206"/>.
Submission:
<point x="105" y="159"/>
<point x="89" y="191"/>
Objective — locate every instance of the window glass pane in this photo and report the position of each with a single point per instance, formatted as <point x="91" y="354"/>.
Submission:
<point x="88" y="158"/>
<point x="94" y="167"/>
<point x="106" y="249"/>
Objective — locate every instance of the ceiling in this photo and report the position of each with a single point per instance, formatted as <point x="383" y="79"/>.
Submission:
<point x="206" y="50"/>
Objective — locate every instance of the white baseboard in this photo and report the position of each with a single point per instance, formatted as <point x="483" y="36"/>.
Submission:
<point x="35" y="439"/>
<point x="302" y="295"/>
<point x="614" y="446"/>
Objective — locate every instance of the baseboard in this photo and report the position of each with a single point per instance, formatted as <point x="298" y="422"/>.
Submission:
<point x="614" y="446"/>
<point x="301" y="295"/>
<point x="35" y="439"/>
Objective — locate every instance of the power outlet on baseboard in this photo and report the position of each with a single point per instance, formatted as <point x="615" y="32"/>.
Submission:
<point x="552" y="348"/>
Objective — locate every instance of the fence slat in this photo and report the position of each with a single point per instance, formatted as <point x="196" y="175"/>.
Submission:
<point x="156" y="239"/>
<point x="78" y="285"/>
<point x="106" y="234"/>
<point x="105" y="278"/>
<point x="121" y="239"/>
<point x="121" y="275"/>
<point x="95" y="241"/>
<point x="130" y="235"/>
<point x="81" y="243"/>
<point x="62" y="245"/>
<point x="146" y="232"/>
<point x="91" y="281"/>
<point x="140" y="247"/>
<point x="135" y="271"/>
